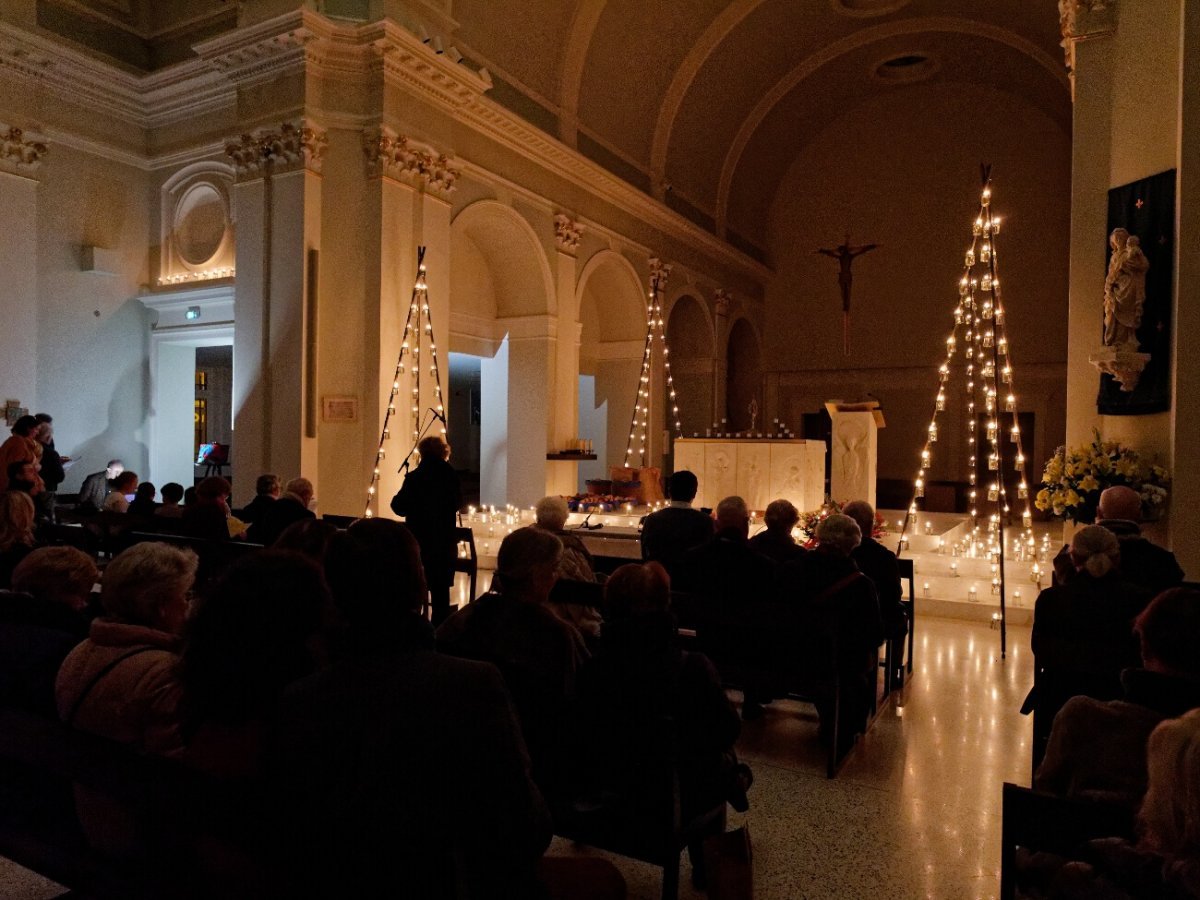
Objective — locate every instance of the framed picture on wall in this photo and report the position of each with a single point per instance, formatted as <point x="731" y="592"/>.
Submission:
<point x="339" y="409"/>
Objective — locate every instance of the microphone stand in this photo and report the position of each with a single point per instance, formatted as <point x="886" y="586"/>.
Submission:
<point x="434" y="416"/>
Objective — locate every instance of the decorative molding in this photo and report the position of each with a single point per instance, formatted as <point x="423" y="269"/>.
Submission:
<point x="21" y="151"/>
<point x="293" y="145"/>
<point x="1077" y="22"/>
<point x="396" y="156"/>
<point x="262" y="51"/>
<point x="567" y="233"/>
<point x="409" y="62"/>
<point x="659" y="272"/>
<point x="722" y="302"/>
<point x="175" y="94"/>
<point x="1123" y="364"/>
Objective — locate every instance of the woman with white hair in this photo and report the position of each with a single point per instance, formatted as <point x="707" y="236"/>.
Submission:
<point x="574" y="565"/>
<point x="121" y="682"/>
<point x="1083" y="632"/>
<point x="827" y="594"/>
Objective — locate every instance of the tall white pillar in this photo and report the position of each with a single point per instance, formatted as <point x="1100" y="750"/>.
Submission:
<point x="277" y="207"/>
<point x="20" y="168"/>
<point x="562" y="476"/>
<point x="1185" y="424"/>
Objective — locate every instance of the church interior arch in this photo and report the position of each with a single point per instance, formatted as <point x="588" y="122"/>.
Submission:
<point x="693" y="362"/>
<point x="744" y="379"/>
<point x="501" y="346"/>
<point x="612" y="333"/>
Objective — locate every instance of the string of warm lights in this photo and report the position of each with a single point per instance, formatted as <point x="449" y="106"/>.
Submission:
<point x="419" y="321"/>
<point x="979" y="320"/>
<point x="659" y="272"/>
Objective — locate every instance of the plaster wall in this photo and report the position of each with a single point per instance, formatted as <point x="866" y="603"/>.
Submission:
<point x="913" y="160"/>
<point x="92" y="333"/>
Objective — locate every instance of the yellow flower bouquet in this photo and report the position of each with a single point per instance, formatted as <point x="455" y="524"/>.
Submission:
<point x="1074" y="477"/>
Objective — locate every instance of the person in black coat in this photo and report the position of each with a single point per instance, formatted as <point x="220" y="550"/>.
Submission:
<point x="53" y="472"/>
<point x="732" y="585"/>
<point x="776" y="540"/>
<point x="267" y="489"/>
<point x="429" y="500"/>
<point x="41" y="621"/>
<point x="279" y="514"/>
<point x="399" y="754"/>
<point x="96" y="487"/>
<point x="1083" y="632"/>
<point x="1142" y="562"/>
<point x="829" y="600"/>
<point x="677" y="528"/>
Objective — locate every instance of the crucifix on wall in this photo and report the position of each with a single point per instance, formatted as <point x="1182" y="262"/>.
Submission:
<point x="844" y="253"/>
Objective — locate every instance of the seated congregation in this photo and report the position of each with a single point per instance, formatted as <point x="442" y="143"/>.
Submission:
<point x="1115" y="703"/>
<point x="333" y="728"/>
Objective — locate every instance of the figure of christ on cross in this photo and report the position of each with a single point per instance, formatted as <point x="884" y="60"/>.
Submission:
<point x="844" y="253"/>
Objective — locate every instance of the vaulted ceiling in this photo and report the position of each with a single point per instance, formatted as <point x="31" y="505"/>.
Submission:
<point x="702" y="103"/>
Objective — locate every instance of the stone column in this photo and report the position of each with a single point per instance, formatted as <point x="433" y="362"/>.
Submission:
<point x="562" y="476"/>
<point x="21" y="154"/>
<point x="1092" y="59"/>
<point x="412" y="184"/>
<point x="722" y="305"/>
<point x="532" y="360"/>
<point x="277" y="205"/>
<point x="1185" y="424"/>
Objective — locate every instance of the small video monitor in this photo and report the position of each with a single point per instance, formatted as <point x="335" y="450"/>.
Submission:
<point x="205" y="452"/>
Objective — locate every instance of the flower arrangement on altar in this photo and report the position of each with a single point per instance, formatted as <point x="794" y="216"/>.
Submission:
<point x="595" y="502"/>
<point x="807" y="526"/>
<point x="1074" y="478"/>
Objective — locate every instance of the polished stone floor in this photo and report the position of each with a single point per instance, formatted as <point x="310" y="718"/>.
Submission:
<point x="915" y="813"/>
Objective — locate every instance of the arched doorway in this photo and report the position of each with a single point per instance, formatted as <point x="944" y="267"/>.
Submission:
<point x="612" y="319"/>
<point x="690" y="337"/>
<point x="502" y="344"/>
<point x="744" y="384"/>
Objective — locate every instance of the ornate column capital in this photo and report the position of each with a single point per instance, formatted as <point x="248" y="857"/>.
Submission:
<point x="1082" y="20"/>
<point x="21" y="151"/>
<point x="291" y="146"/>
<point x="396" y="156"/>
<point x="567" y="233"/>
<point x="659" y="272"/>
<point x="723" y="301"/>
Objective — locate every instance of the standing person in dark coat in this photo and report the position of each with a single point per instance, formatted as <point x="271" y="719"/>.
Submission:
<point x="776" y="540"/>
<point x="52" y="471"/>
<point x="828" y="597"/>
<point x="672" y="531"/>
<point x="733" y="585"/>
<point x="429" y="500"/>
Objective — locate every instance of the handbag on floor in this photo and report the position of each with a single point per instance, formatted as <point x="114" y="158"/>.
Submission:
<point x="729" y="865"/>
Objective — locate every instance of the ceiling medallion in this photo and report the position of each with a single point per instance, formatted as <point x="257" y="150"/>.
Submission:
<point x="867" y="9"/>
<point x="905" y="68"/>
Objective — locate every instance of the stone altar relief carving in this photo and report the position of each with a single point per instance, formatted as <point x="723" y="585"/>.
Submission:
<point x="754" y="474"/>
<point x="21" y="151"/>
<point x="720" y="472"/>
<point x="197" y="225"/>
<point x="855" y="449"/>
<point x="758" y="471"/>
